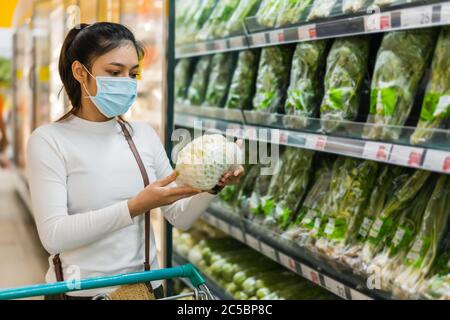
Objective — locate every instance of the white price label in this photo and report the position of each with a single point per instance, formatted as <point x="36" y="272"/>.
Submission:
<point x="252" y="242"/>
<point x="329" y="227"/>
<point x="303" y="33"/>
<point x="310" y="274"/>
<point x="377" y="151"/>
<point x="316" y="142"/>
<point x="259" y="38"/>
<point x="269" y="251"/>
<point x="408" y="156"/>
<point x="372" y="22"/>
<point x="376" y="228"/>
<point x="437" y="160"/>
<point x="237" y="233"/>
<point x="356" y="295"/>
<point x="365" y="227"/>
<point x="418" y="16"/>
<point x="336" y="287"/>
<point x="445" y="13"/>
<point x="399" y="234"/>
<point x="236" y="42"/>
<point x="276" y="36"/>
<point x="288" y="262"/>
<point x="220" y="45"/>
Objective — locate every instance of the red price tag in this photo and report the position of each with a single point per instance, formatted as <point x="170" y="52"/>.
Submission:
<point x="281" y="37"/>
<point x="313" y="33"/>
<point x="385" y="22"/>
<point x="284" y="137"/>
<point x="446" y="164"/>
<point x="414" y="159"/>
<point x="320" y="143"/>
<point x="382" y="153"/>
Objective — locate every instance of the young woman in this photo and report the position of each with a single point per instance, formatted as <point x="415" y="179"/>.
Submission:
<point x="87" y="189"/>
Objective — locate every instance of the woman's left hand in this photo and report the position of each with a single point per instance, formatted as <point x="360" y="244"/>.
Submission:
<point x="231" y="177"/>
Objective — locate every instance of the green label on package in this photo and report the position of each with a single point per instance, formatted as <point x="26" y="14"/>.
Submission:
<point x="435" y="105"/>
<point x="417" y="252"/>
<point x="402" y="238"/>
<point x="379" y="229"/>
<point x="383" y="101"/>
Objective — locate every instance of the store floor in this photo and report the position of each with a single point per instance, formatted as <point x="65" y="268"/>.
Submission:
<point x="23" y="261"/>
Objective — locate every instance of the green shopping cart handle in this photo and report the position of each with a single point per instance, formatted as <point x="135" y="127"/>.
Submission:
<point x="184" y="271"/>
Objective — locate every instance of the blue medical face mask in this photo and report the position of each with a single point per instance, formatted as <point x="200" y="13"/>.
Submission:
<point x="115" y="95"/>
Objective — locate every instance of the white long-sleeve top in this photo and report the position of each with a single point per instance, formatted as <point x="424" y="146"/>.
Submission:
<point x="81" y="175"/>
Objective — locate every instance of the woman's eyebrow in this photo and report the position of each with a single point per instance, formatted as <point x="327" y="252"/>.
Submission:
<point x="117" y="64"/>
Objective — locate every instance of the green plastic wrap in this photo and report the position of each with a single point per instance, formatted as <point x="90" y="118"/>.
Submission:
<point x="183" y="74"/>
<point x="436" y="105"/>
<point x="222" y="67"/>
<point x="399" y="67"/>
<point x="268" y="12"/>
<point x="423" y="252"/>
<point x="198" y="87"/>
<point x="346" y="67"/>
<point x="321" y="9"/>
<point x="273" y="79"/>
<point x="292" y="11"/>
<point x="242" y="85"/>
<point x="235" y="24"/>
<point x="215" y="27"/>
<point x="353" y="6"/>
<point x="306" y="83"/>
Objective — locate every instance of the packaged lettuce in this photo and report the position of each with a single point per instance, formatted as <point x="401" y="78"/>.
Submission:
<point x="197" y="89"/>
<point x="222" y="67"/>
<point x="321" y="9"/>
<point x="399" y="67"/>
<point x="245" y="8"/>
<point x="306" y="88"/>
<point x="242" y="85"/>
<point x="436" y="105"/>
<point x="199" y="19"/>
<point x="292" y="11"/>
<point x="215" y="27"/>
<point x="272" y="79"/>
<point x="353" y="6"/>
<point x="268" y="12"/>
<point x="346" y="68"/>
<point x="185" y="18"/>
<point x="183" y="73"/>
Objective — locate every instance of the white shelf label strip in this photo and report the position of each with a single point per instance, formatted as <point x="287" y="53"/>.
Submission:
<point x="419" y="16"/>
<point x="336" y="287"/>
<point x="377" y="151"/>
<point x="268" y="251"/>
<point x="252" y="242"/>
<point x="407" y="156"/>
<point x="437" y="161"/>
<point x="310" y="274"/>
<point x="288" y="262"/>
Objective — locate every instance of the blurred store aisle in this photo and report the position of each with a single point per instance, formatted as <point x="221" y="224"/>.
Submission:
<point x="23" y="261"/>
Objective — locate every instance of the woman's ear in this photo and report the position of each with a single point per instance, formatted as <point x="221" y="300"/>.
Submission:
<point x="79" y="73"/>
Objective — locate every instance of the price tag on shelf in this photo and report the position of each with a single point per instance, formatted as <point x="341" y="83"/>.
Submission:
<point x="259" y="38"/>
<point x="377" y="151"/>
<point x="222" y="225"/>
<point x="252" y="242"/>
<point x="418" y="16"/>
<point x="372" y="21"/>
<point x="237" y="233"/>
<point x="312" y="32"/>
<point x="220" y="45"/>
<point x="336" y="287"/>
<point x="356" y="295"/>
<point x="284" y="136"/>
<point x="236" y="42"/>
<point x="269" y="251"/>
<point x="445" y="13"/>
<point x="437" y="160"/>
<point x="385" y="22"/>
<point x="316" y="142"/>
<point x="303" y="33"/>
<point x="288" y="262"/>
<point x="200" y="47"/>
<point x="407" y="156"/>
<point x="310" y="274"/>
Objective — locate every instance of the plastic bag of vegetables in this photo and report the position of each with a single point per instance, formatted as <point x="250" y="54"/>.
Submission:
<point x="201" y="15"/>
<point x="292" y="11"/>
<point x="399" y="67"/>
<point x="215" y="27"/>
<point x="321" y="9"/>
<point x="201" y="163"/>
<point x="242" y="85"/>
<point x="427" y="242"/>
<point x="197" y="89"/>
<point x="245" y="8"/>
<point x="222" y="67"/>
<point x="346" y="68"/>
<point x="273" y="79"/>
<point x="185" y="19"/>
<point x="352" y="6"/>
<point x="268" y="12"/>
<point x="436" y="105"/>
<point x="306" y="86"/>
<point x="183" y="74"/>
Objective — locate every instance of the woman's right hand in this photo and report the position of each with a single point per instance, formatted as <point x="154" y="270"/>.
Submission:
<point x="158" y="194"/>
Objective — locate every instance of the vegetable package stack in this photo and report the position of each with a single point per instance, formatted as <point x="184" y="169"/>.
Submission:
<point x="400" y="65"/>
<point x="306" y="85"/>
<point x="273" y="79"/>
<point x="183" y="73"/>
<point x="321" y="9"/>
<point x="427" y="242"/>
<point x="185" y="18"/>
<point x="268" y="12"/>
<point x="235" y="24"/>
<point x="222" y="67"/>
<point x="215" y="27"/>
<point x="200" y="16"/>
<point x="242" y="85"/>
<point x="197" y="89"/>
<point x="383" y="227"/>
<point x="352" y="6"/>
<point x="436" y="105"/>
<point x="292" y="11"/>
<point x="346" y="68"/>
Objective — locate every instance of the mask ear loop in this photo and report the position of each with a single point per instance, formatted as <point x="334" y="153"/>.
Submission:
<point x="84" y="86"/>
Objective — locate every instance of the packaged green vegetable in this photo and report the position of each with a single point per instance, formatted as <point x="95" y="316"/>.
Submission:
<point x="346" y="68"/>
<point x="306" y="86"/>
<point x="292" y="11"/>
<point x="215" y="27"/>
<point x="197" y="89"/>
<point x="399" y="67"/>
<point x="245" y="8"/>
<point x="321" y="9"/>
<point x="436" y="105"/>
<point x="183" y="73"/>
<point x="268" y="12"/>
<point x="242" y="85"/>
<point x="353" y="6"/>
<point x="201" y="15"/>
<point x="222" y="67"/>
<point x="273" y="79"/>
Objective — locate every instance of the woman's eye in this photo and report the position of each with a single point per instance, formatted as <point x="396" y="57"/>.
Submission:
<point x="115" y="73"/>
<point x="133" y="76"/>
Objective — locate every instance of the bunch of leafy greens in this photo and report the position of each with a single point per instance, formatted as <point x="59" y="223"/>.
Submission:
<point x="183" y="76"/>
<point x="222" y="67"/>
<point x="292" y="11"/>
<point x="236" y="22"/>
<point x="215" y="27"/>
<point x="197" y="89"/>
<point x="321" y="9"/>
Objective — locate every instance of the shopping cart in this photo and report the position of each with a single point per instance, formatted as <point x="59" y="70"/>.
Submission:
<point x="200" y="291"/>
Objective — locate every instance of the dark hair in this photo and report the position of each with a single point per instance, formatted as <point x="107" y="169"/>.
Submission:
<point x="85" y="43"/>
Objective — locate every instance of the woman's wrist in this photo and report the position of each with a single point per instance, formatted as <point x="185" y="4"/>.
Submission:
<point x="135" y="207"/>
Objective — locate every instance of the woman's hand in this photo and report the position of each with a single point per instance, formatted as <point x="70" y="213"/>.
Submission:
<point x="158" y="194"/>
<point x="231" y="177"/>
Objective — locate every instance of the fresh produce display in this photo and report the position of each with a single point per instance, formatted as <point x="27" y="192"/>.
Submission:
<point x="321" y="9"/>
<point x="273" y="79"/>
<point x="268" y="12"/>
<point x="306" y="89"/>
<point x="183" y="73"/>
<point x="215" y="27"/>
<point x="245" y="8"/>
<point x="400" y="65"/>
<point x="202" y="162"/>
<point x="198" y="86"/>
<point x="346" y="68"/>
<point x="242" y="85"/>
<point x="436" y="105"/>
<point x="352" y="6"/>
<point x="192" y="17"/>
<point x="222" y="67"/>
<point x="292" y="11"/>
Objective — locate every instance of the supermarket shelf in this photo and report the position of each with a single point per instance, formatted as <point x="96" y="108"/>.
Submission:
<point x="426" y="158"/>
<point x="409" y="17"/>
<point x="215" y="289"/>
<point x="340" y="282"/>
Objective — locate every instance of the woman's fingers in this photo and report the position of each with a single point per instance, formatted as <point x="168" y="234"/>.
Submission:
<point x="167" y="180"/>
<point x="178" y="191"/>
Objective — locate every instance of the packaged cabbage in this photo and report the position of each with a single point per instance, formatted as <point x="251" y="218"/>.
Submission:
<point x="353" y="6"/>
<point x="197" y="89"/>
<point x="399" y="67"/>
<point x="321" y="9"/>
<point x="306" y="81"/>
<point x="215" y="27"/>
<point x="222" y="67"/>
<point x="242" y="86"/>
<point x="436" y="104"/>
<point x="268" y="12"/>
<point x="245" y="8"/>
<point x="346" y="67"/>
<point x="292" y="11"/>
<point x="272" y="79"/>
<point x="202" y="162"/>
